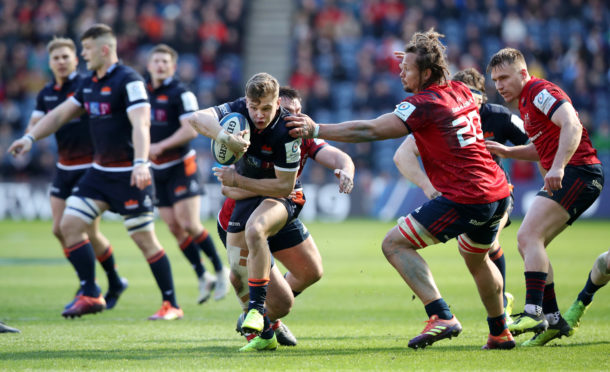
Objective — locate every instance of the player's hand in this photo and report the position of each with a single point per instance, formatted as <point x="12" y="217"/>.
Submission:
<point x="155" y="150"/>
<point x="346" y="182"/>
<point x="237" y="143"/>
<point x="226" y="175"/>
<point x="552" y="180"/>
<point x="302" y="126"/>
<point x="432" y="193"/>
<point x="20" y="146"/>
<point x="496" y="148"/>
<point x="140" y="176"/>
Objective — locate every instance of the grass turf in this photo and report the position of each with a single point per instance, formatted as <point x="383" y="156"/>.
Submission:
<point x="360" y="316"/>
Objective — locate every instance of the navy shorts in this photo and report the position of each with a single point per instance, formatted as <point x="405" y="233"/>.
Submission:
<point x="580" y="186"/>
<point x="114" y="188"/>
<point x="245" y="207"/>
<point x="292" y="234"/>
<point x="64" y="181"/>
<point x="446" y="220"/>
<point x="177" y="182"/>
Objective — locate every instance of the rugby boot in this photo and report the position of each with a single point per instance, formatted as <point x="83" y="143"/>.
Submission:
<point x="562" y="328"/>
<point x="283" y="334"/>
<point x="85" y="305"/>
<point x="526" y="322"/>
<point x="222" y="284"/>
<point x="436" y="329"/>
<point x="253" y="322"/>
<point x="508" y="309"/>
<point x="503" y="341"/>
<point x="207" y="282"/>
<point x="113" y="294"/>
<point x="79" y="292"/>
<point x="167" y="312"/>
<point x="574" y="313"/>
<point x="247" y="335"/>
<point x="6" y="329"/>
<point x="260" y="344"/>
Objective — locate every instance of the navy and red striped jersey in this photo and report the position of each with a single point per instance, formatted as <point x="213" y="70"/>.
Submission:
<point x="74" y="144"/>
<point x="169" y="103"/>
<point x="538" y="102"/>
<point x="447" y="127"/>
<point x="107" y="101"/>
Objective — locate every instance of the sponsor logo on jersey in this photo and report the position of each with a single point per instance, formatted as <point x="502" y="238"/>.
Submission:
<point x="131" y="204"/>
<point x="180" y="190"/>
<point x="159" y="115"/>
<point x="234" y="223"/>
<point x="136" y="91"/>
<point x="224" y="109"/>
<point x="404" y="110"/>
<point x="544" y="101"/>
<point x="105" y="91"/>
<point x="476" y="223"/>
<point x="597" y="185"/>
<point x="535" y="137"/>
<point x="162" y="98"/>
<point x="293" y="151"/>
<point x="50" y="98"/>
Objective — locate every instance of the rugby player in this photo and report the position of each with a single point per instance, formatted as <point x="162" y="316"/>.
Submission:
<point x="174" y="168"/>
<point x="573" y="180"/>
<point x="268" y="167"/>
<point x="75" y="152"/>
<point x="499" y="124"/>
<point x="444" y="119"/>
<point x="293" y="246"/>
<point x="115" y="99"/>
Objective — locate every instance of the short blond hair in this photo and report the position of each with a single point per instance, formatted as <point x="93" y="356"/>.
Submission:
<point x="262" y="85"/>
<point x="506" y="56"/>
<point x="60" y="42"/>
<point x="166" y="49"/>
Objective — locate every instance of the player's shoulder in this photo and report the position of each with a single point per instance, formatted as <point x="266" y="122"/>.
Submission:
<point x="126" y="74"/>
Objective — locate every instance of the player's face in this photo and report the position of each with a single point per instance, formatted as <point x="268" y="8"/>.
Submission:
<point x="509" y="80"/>
<point x="92" y="54"/>
<point x="263" y="111"/>
<point x="62" y="62"/>
<point x="409" y="73"/>
<point x="293" y="105"/>
<point x="161" y="66"/>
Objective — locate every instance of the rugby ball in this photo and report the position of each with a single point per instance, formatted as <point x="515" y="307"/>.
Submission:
<point x="232" y="123"/>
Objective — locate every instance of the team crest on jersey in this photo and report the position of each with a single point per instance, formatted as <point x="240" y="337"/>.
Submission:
<point x="162" y="98"/>
<point x="404" y="110"/>
<point x="147" y="202"/>
<point x="267" y="150"/>
<point x="544" y="101"/>
<point x="194" y="186"/>
<point x="106" y="91"/>
<point x="131" y="204"/>
<point x="51" y="98"/>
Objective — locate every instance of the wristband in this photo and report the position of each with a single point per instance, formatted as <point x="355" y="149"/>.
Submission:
<point x="140" y="161"/>
<point x="29" y="137"/>
<point x="222" y="137"/>
<point x="316" y="131"/>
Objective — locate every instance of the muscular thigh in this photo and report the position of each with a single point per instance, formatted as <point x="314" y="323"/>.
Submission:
<point x="270" y="216"/>
<point x="303" y="256"/>
<point x="544" y="219"/>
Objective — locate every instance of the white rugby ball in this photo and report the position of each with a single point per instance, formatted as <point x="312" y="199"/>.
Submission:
<point x="232" y="123"/>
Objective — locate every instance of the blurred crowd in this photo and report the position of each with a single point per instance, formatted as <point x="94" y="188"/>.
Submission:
<point x="343" y="62"/>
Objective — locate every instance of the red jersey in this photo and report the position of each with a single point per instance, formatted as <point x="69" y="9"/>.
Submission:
<point x="538" y="101"/>
<point x="447" y="127"/>
<point x="309" y="149"/>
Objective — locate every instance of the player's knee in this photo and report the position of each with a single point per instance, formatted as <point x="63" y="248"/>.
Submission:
<point x="255" y="234"/>
<point x="602" y="264"/>
<point x="279" y="306"/>
<point x="139" y="222"/>
<point x="389" y="246"/>
<point x="57" y="231"/>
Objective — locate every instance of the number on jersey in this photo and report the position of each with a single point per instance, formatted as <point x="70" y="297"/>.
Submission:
<point x="469" y="128"/>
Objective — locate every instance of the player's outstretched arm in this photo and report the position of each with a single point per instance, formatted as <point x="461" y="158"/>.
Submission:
<point x="206" y="123"/>
<point x="236" y="193"/>
<point x="340" y="163"/>
<point x="406" y="161"/>
<point x="46" y="125"/>
<point x="140" y="136"/>
<point x="523" y="152"/>
<point x="180" y="137"/>
<point x="385" y="126"/>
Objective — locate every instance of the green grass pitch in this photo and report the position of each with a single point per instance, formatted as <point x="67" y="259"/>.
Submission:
<point x="360" y="316"/>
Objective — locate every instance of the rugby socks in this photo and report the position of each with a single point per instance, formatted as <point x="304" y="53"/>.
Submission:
<point x="497" y="257"/>
<point x="534" y="291"/>
<point x="106" y="259"/>
<point x="268" y="330"/>
<point x="549" y="304"/>
<point x="440" y="308"/>
<point x="191" y="252"/>
<point x="586" y="295"/>
<point x="258" y="294"/>
<point x="205" y="242"/>
<point x="81" y="256"/>
<point x="162" y="271"/>
<point x="497" y="325"/>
